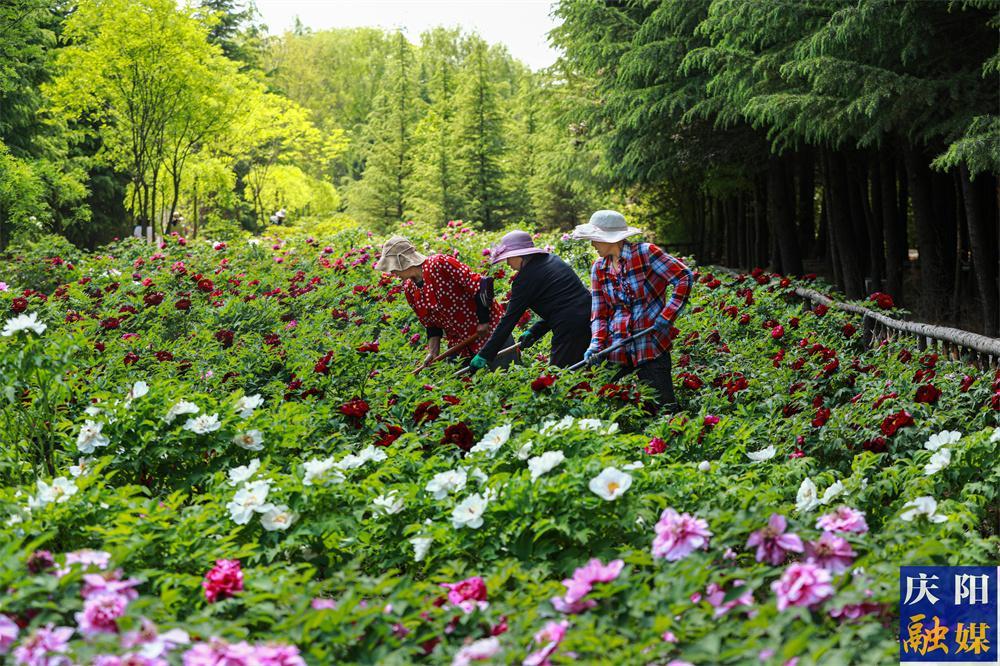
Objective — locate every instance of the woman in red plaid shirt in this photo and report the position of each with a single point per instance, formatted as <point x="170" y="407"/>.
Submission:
<point x="629" y="294"/>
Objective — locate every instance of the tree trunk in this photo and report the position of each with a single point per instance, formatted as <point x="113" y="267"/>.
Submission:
<point x="806" y="182"/>
<point x="895" y="233"/>
<point x="857" y="180"/>
<point x="983" y="242"/>
<point x="933" y="275"/>
<point x="848" y="251"/>
<point x="779" y="214"/>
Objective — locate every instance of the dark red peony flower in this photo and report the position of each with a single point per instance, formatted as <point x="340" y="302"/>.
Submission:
<point x="452" y="400"/>
<point x="966" y="384"/>
<point x="19" y="304"/>
<point x="894" y="422"/>
<point x="153" y="298"/>
<point x="99" y="346"/>
<point x="821" y="417"/>
<point x="655" y="446"/>
<point x="387" y="434"/>
<point x="110" y="323"/>
<point x="40" y="560"/>
<point x="225" y="337"/>
<point x="543" y="382"/>
<point x="875" y="445"/>
<point x="820" y="310"/>
<point x="322" y="366"/>
<point x="183" y="304"/>
<point x="369" y="347"/>
<point x="778" y="332"/>
<point x="884" y="301"/>
<point x="904" y="355"/>
<point x="426" y="411"/>
<point x="206" y="285"/>
<point x="355" y="410"/>
<point x="848" y="330"/>
<point x="459" y="435"/>
<point x="928" y="393"/>
<point x="130" y="358"/>
<point x="224" y="580"/>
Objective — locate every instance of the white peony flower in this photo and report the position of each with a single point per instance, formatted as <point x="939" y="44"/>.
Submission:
<point x="492" y="441"/>
<point x="922" y="506"/>
<point x="807" y="498"/>
<point x="81" y="467"/>
<point x="246" y="404"/>
<point x="444" y="483"/>
<point x="995" y="437"/>
<point x="481" y="650"/>
<point x="238" y="475"/>
<point x="90" y="437"/>
<point x="353" y="461"/>
<point x="544" y="463"/>
<point x="479" y="475"/>
<point x="610" y="484"/>
<point x="704" y="466"/>
<point x="138" y="390"/>
<point x="277" y="518"/>
<point x="316" y="468"/>
<point x="551" y="426"/>
<point x="764" y="454"/>
<point x="92" y="410"/>
<point x="469" y="512"/>
<point x="182" y="407"/>
<point x="524" y="452"/>
<point x="204" y="424"/>
<point x="943" y="438"/>
<point x="939" y="460"/>
<point x="836" y="488"/>
<point x="388" y="504"/>
<point x="23" y="322"/>
<point x="251" y="440"/>
<point x="589" y="424"/>
<point x="634" y="465"/>
<point x="420" y="547"/>
<point x="60" y="490"/>
<point x="252" y="497"/>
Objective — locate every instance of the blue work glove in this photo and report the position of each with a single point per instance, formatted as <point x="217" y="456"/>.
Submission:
<point x="477" y="362"/>
<point x="526" y="340"/>
<point x="663" y="325"/>
<point x="587" y="355"/>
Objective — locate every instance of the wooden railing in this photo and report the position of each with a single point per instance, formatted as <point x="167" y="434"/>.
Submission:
<point x="951" y="343"/>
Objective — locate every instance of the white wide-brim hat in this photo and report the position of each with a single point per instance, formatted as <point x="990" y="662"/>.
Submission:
<point x="605" y="226"/>
<point x="398" y="254"/>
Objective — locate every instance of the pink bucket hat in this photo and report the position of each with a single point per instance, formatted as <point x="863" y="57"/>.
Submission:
<point x="514" y="244"/>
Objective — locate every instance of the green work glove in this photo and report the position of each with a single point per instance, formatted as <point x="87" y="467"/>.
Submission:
<point x="477" y="362"/>
<point x="526" y="340"/>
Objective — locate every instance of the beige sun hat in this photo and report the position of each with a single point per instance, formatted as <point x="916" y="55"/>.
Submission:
<point x="605" y="226"/>
<point x="398" y="254"/>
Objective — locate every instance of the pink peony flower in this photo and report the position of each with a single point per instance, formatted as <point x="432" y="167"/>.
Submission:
<point x="668" y="637"/>
<point x="153" y="643"/>
<point x="217" y="652"/>
<point x="480" y="650"/>
<point x="831" y="552"/>
<point x="98" y="583"/>
<point x="8" y="633"/>
<point x="100" y="613"/>
<point x="677" y="535"/>
<point x="715" y="595"/>
<point x="582" y="583"/>
<point x="45" y="647"/>
<point x="468" y="594"/>
<point x="224" y="580"/>
<point x="802" y="584"/>
<point x="773" y="544"/>
<point x="550" y="636"/>
<point x="844" y="519"/>
<point x="320" y="603"/>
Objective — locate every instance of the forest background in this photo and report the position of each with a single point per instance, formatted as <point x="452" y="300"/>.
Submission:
<point x="860" y="140"/>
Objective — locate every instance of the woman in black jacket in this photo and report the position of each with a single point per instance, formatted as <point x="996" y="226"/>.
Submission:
<point x="547" y="285"/>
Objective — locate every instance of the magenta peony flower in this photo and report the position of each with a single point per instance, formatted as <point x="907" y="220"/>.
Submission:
<point x="224" y="580"/>
<point x="43" y="646"/>
<point x="550" y="636"/>
<point x="468" y="594"/>
<point x="831" y="552"/>
<point x="582" y="582"/>
<point x="802" y="584"/>
<point x="773" y="544"/>
<point x="8" y="633"/>
<point x="319" y="603"/>
<point x="97" y="583"/>
<point x="715" y="595"/>
<point x="844" y="519"/>
<point x="100" y="613"/>
<point x="677" y="535"/>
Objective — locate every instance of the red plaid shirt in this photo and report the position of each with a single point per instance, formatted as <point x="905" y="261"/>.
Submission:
<point x="624" y="303"/>
<point x="447" y="300"/>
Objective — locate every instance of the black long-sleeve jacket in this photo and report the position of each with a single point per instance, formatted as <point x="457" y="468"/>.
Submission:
<point x="550" y="288"/>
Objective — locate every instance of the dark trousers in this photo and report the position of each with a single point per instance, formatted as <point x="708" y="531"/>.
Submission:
<point x="655" y="373"/>
<point x="568" y="349"/>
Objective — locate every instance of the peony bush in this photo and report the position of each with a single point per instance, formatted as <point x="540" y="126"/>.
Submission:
<point x="217" y="453"/>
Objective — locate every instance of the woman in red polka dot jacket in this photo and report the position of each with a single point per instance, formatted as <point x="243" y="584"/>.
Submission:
<point x="448" y="297"/>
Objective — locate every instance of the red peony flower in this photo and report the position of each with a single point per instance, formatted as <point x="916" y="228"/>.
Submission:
<point x="153" y="298"/>
<point x="451" y="399"/>
<point x="110" y="323"/>
<point x="848" y="330"/>
<point x="206" y="285"/>
<point x="225" y="337"/>
<point x="778" y="332"/>
<point x="459" y="435"/>
<point x="822" y="416"/>
<point x="928" y="393"/>
<point x="543" y="382"/>
<point x="183" y="304"/>
<point x="355" y="411"/>
<point x="387" y="434"/>
<point x="820" y="310"/>
<point x="884" y="301"/>
<point x="369" y="347"/>
<point x="224" y="580"/>
<point x="19" y="304"/>
<point x="966" y="383"/>
<point x="426" y="411"/>
<point x="655" y="446"/>
<point x="130" y="358"/>
<point x="894" y="422"/>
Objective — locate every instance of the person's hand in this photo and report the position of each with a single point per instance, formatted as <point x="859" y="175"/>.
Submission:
<point x="477" y="362"/>
<point x="483" y="330"/>
<point x="425" y="360"/>
<point x="663" y="325"/>
<point x="588" y="355"/>
<point x="526" y="340"/>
